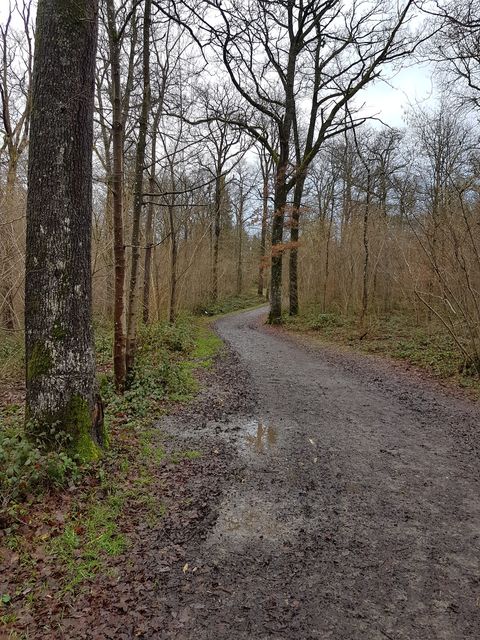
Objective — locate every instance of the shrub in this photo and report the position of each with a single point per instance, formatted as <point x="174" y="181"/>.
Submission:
<point x="26" y="468"/>
<point x="323" y="321"/>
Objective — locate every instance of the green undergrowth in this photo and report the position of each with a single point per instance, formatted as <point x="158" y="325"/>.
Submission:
<point x="89" y="516"/>
<point x="165" y="372"/>
<point x="207" y="346"/>
<point x="87" y="538"/>
<point x="396" y="336"/>
<point x="12" y="356"/>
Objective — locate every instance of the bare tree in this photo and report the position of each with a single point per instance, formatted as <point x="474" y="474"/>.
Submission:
<point x="455" y="47"/>
<point x="339" y="51"/>
<point x="132" y="309"/>
<point x="15" y="102"/>
<point x="163" y="71"/>
<point x="120" y="104"/>
<point x="224" y="146"/>
<point x="241" y="188"/>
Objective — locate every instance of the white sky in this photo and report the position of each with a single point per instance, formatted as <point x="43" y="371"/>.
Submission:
<point x="387" y="101"/>
<point x="410" y="86"/>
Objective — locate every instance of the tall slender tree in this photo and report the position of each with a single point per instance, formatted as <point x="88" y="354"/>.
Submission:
<point x="15" y="104"/>
<point x="132" y="309"/>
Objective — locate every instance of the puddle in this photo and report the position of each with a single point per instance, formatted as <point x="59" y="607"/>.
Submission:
<point x="261" y="437"/>
<point x="247" y="515"/>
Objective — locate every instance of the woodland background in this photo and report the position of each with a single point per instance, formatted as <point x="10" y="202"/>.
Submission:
<point x="389" y="219"/>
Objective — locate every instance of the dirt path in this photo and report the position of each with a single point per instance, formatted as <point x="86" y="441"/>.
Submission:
<point x="336" y="497"/>
<point x="357" y="514"/>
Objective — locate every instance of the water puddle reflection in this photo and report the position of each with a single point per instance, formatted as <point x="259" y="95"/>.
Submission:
<point x="265" y="437"/>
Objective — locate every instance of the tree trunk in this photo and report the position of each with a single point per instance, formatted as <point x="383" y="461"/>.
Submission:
<point x="173" y="264"/>
<point x="263" y="235"/>
<point x="109" y="256"/>
<point x="216" y="236"/>
<point x="149" y="227"/>
<point x="119" y="370"/>
<point x="280" y="198"/>
<point x="138" y="197"/>
<point x="280" y="201"/>
<point x="149" y="231"/>
<point x="294" y="235"/>
<point x="366" y="215"/>
<point x="62" y="400"/>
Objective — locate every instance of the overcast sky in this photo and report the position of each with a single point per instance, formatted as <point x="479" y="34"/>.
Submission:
<point x="389" y="102"/>
<point x="411" y="86"/>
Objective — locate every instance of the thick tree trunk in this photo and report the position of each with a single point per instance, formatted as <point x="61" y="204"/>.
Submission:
<point x="294" y="235"/>
<point x="280" y="198"/>
<point x="117" y="205"/>
<point x="60" y="362"/>
<point x="280" y="202"/>
<point x="138" y="198"/>
<point x="263" y="235"/>
<point x="216" y="235"/>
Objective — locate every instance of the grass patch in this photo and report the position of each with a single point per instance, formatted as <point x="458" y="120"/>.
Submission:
<point x="396" y="336"/>
<point x="191" y="454"/>
<point x="12" y="356"/>
<point x="79" y="530"/>
<point x="207" y="346"/>
<point x="85" y="541"/>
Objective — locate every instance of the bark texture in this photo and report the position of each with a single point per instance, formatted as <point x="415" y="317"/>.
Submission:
<point x="280" y="202"/>
<point x="132" y="311"/>
<point x="263" y="233"/>
<point x="294" y="237"/>
<point x="60" y="365"/>
<point x="219" y="186"/>
<point x="119" y="339"/>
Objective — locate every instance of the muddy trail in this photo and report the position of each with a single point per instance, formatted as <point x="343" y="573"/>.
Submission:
<point x="337" y="497"/>
<point x="358" y="511"/>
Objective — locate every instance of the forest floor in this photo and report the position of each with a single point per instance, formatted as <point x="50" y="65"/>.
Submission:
<point x="317" y="494"/>
<point x="400" y="336"/>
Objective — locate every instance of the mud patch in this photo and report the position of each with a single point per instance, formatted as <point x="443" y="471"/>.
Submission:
<point x="357" y="518"/>
<point x="261" y="437"/>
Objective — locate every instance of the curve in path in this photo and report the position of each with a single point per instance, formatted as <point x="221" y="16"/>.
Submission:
<point x="358" y="513"/>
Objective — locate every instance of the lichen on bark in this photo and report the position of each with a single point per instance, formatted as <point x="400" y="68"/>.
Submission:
<point x="62" y="407"/>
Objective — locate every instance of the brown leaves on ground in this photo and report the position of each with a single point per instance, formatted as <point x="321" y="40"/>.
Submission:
<point x="169" y="505"/>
